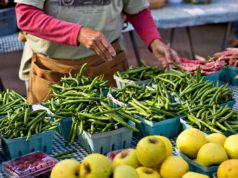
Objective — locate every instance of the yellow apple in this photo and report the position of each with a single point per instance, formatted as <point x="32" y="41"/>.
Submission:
<point x="145" y="172"/>
<point x="67" y="168"/>
<point x="228" y="169"/>
<point x="231" y="146"/>
<point x="125" y="171"/>
<point x="151" y="151"/>
<point x="173" y="167"/>
<point x="216" y="138"/>
<point x="211" y="154"/>
<point x="95" y="166"/>
<point x="126" y="157"/>
<point x="168" y="144"/>
<point x="194" y="175"/>
<point x="190" y="141"/>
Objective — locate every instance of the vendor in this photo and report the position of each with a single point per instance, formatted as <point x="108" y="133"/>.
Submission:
<point x="62" y="35"/>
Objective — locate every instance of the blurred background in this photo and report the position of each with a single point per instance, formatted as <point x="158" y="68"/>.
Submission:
<point x="207" y="39"/>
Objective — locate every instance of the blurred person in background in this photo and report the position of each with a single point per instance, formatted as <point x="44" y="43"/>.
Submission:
<point x="234" y="42"/>
<point x="62" y="35"/>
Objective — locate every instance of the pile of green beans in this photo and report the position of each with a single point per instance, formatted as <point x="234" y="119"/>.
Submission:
<point x="84" y="100"/>
<point x="154" y="110"/>
<point x="212" y="118"/>
<point x="197" y="91"/>
<point x="79" y="82"/>
<point x="173" y="80"/>
<point x="26" y="122"/>
<point x="74" y="93"/>
<point x="204" y="92"/>
<point x="100" y="118"/>
<point x="128" y="92"/>
<point x="139" y="73"/>
<point x="10" y="101"/>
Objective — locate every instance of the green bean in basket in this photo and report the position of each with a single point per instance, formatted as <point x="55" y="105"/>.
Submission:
<point x="100" y="118"/>
<point x="204" y="92"/>
<point x="213" y="118"/>
<point x="139" y="73"/>
<point x="10" y="101"/>
<point x="174" y="80"/>
<point x="26" y="122"/>
<point x="128" y="92"/>
<point x="154" y="110"/>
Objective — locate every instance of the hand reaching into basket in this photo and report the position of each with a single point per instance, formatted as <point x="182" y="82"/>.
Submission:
<point x="164" y="54"/>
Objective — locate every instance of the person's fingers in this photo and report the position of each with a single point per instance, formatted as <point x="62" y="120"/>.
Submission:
<point x="175" y="56"/>
<point x="106" y="54"/>
<point x="160" y="58"/>
<point x="98" y="51"/>
<point x="108" y="46"/>
<point x="167" y="54"/>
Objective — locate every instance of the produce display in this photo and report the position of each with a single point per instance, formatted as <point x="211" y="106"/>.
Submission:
<point x="207" y="67"/>
<point x="11" y="101"/>
<point x="229" y="57"/>
<point x="139" y="73"/>
<point x="156" y="110"/>
<point x="204" y="92"/>
<point x="198" y="91"/>
<point x="83" y="99"/>
<point x="207" y="147"/>
<point x="142" y="162"/>
<point x="128" y="92"/>
<point x="212" y="118"/>
<point x="26" y="122"/>
<point x="207" y="151"/>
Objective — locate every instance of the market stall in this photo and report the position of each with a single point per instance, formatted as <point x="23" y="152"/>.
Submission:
<point x="85" y="116"/>
<point x="176" y="122"/>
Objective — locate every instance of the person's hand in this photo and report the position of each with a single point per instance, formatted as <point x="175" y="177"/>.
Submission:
<point x="96" y="41"/>
<point x="164" y="53"/>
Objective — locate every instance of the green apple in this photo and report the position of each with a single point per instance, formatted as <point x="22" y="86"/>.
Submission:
<point x="126" y="157"/>
<point x="151" y="151"/>
<point x="125" y="171"/>
<point x="95" y="166"/>
<point x="145" y="172"/>
<point x="67" y="168"/>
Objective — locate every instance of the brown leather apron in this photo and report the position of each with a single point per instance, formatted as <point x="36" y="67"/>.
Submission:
<point x="45" y="71"/>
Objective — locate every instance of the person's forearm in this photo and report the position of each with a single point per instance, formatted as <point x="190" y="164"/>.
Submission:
<point x="35" y="22"/>
<point x="144" y="26"/>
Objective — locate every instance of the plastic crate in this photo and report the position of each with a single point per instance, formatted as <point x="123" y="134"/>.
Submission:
<point x="65" y="127"/>
<point x="8" y="24"/>
<point x="36" y="164"/>
<point x="213" y="77"/>
<point x="122" y="82"/>
<point x="185" y="126"/>
<point x="228" y="75"/>
<point x="19" y="146"/>
<point x="169" y="128"/>
<point x="196" y="167"/>
<point x="230" y="103"/>
<point x="105" y="142"/>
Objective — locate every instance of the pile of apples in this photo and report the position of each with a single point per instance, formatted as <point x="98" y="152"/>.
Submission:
<point x="152" y="158"/>
<point x="210" y="150"/>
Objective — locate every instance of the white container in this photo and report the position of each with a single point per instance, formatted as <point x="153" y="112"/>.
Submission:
<point x="175" y="1"/>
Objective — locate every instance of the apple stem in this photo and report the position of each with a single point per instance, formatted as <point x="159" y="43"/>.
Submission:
<point x="153" y="140"/>
<point x="124" y="153"/>
<point x="148" y="171"/>
<point x="87" y="168"/>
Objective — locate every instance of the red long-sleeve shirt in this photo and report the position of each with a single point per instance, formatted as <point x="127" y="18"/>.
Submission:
<point x="34" y="21"/>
